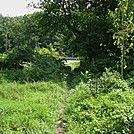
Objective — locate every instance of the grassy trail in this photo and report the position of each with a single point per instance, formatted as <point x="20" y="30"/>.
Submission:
<point x="59" y="123"/>
<point x="30" y="108"/>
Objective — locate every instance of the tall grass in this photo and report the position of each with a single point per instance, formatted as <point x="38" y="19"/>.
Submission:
<point x="30" y="108"/>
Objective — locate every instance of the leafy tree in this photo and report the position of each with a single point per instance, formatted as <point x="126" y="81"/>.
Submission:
<point x="1" y="34"/>
<point x="18" y="38"/>
<point x="84" y="24"/>
<point x="124" y="30"/>
<point x="5" y="28"/>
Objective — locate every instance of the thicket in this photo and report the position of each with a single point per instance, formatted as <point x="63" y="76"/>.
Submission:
<point x="34" y="65"/>
<point x="99" y="32"/>
<point x="102" y="105"/>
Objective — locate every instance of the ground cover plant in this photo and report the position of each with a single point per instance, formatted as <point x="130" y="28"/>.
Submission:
<point x="30" y="108"/>
<point x="105" y="106"/>
<point x="32" y="50"/>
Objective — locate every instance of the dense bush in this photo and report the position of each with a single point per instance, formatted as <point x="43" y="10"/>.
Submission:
<point x="130" y="79"/>
<point x="42" y="64"/>
<point x="100" y="107"/>
<point x="12" y="75"/>
<point x="109" y="81"/>
<point x="15" y="58"/>
<point x="97" y="65"/>
<point x="3" y="56"/>
<point x="45" y="66"/>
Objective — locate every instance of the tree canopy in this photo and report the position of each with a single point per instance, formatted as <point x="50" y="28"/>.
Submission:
<point x="83" y="24"/>
<point x="89" y="29"/>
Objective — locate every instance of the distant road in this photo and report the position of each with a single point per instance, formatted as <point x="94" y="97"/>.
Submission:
<point x="71" y="61"/>
<point x="68" y="60"/>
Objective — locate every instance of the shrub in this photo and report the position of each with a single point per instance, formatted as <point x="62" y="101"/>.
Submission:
<point x="97" y="65"/>
<point x="37" y="65"/>
<point x="104" y="106"/>
<point x="109" y="81"/>
<point x="12" y="75"/>
<point x="111" y="113"/>
<point x="3" y="56"/>
<point x="15" y="57"/>
<point x="47" y="52"/>
<point x="130" y="79"/>
<point x="45" y="66"/>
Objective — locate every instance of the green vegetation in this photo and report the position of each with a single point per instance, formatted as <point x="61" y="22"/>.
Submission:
<point x="95" y="93"/>
<point x="103" y="105"/>
<point x="31" y="107"/>
<point x="73" y="64"/>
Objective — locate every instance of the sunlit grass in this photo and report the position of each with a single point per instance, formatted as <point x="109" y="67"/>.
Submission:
<point x="73" y="64"/>
<point x="30" y="108"/>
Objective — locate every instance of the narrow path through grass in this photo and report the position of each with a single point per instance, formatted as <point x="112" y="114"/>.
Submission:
<point x="59" y="122"/>
<point x="30" y="108"/>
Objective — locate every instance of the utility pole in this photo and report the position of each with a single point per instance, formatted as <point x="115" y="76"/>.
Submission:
<point x="122" y="60"/>
<point x="6" y="39"/>
<point x="122" y="48"/>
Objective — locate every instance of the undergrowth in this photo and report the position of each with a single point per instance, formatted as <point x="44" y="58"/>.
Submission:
<point x="104" y="105"/>
<point x="30" y="108"/>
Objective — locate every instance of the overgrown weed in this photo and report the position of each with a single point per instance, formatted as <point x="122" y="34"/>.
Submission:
<point x="30" y="108"/>
<point x="102" y="105"/>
